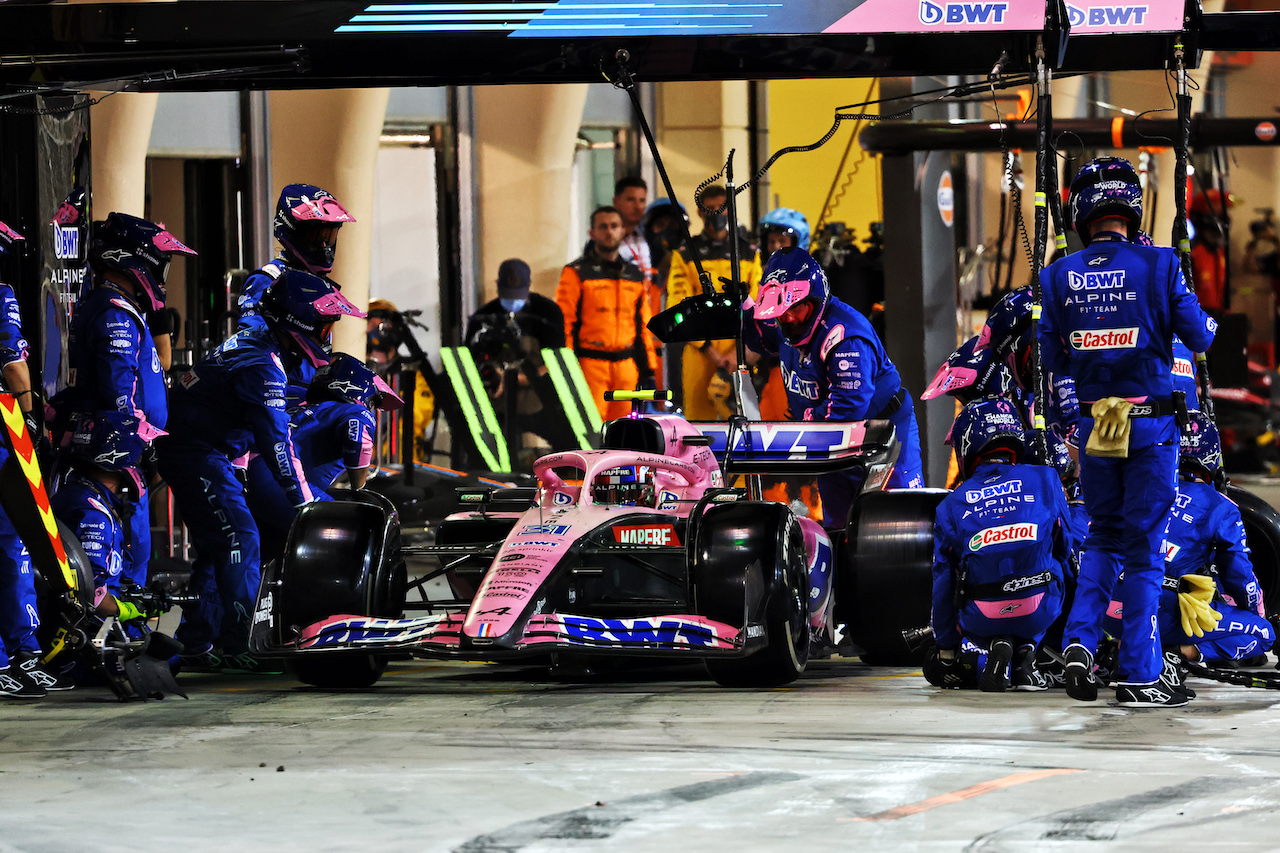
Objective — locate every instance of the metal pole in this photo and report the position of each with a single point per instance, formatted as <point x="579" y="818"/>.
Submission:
<point x="1044" y="121"/>
<point x="1180" y="239"/>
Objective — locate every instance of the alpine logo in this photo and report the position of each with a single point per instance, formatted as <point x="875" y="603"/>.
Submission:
<point x="1013" y="487"/>
<point x="655" y="534"/>
<point x="1109" y="280"/>
<point x="1085" y="340"/>
<point x="562" y="499"/>
<point x="934" y="14"/>
<point x="1024" y="532"/>
<point x="1107" y="16"/>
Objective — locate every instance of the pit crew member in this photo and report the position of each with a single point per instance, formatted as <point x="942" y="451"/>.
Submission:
<point x="231" y="402"/>
<point x="1110" y="313"/>
<point x="1001" y="553"/>
<point x="835" y="368"/>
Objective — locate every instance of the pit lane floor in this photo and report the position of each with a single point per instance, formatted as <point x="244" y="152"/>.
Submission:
<point x="487" y="759"/>
<point x="480" y="758"/>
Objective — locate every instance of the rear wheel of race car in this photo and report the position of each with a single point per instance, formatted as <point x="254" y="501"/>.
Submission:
<point x="888" y="564"/>
<point x="748" y="561"/>
<point x="343" y="558"/>
<point x="1262" y="531"/>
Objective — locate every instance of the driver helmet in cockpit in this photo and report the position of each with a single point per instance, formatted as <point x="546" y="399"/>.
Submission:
<point x="629" y="485"/>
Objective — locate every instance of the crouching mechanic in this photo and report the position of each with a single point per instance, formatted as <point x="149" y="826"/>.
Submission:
<point x="232" y="402"/>
<point x="333" y="432"/>
<point x="1110" y="313"/>
<point x="102" y="484"/>
<point x="1205" y="543"/>
<point x="834" y="366"/>
<point x="1000" y="556"/>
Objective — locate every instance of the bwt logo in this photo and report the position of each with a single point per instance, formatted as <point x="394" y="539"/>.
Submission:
<point x="962" y="13"/>
<point x="1107" y="16"/>
<point x="1012" y="487"/>
<point x="66" y="243"/>
<point x="1096" y="280"/>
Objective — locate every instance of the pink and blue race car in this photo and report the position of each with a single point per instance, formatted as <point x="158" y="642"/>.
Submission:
<point x="656" y="545"/>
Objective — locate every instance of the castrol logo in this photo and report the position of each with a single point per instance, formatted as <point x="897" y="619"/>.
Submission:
<point x="1003" y="533"/>
<point x="1085" y="340"/>
<point x="1182" y="367"/>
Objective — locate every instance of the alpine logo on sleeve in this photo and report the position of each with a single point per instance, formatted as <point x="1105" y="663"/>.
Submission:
<point x="1018" y="532"/>
<point x="1085" y="340"/>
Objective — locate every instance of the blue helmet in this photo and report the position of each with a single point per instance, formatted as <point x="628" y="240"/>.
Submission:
<point x="790" y="277"/>
<point x="789" y="221"/>
<point x="1060" y="457"/>
<point x="628" y="485"/>
<point x="307" y="220"/>
<point x="347" y="380"/>
<point x="1105" y="186"/>
<point x="301" y="308"/>
<point x="969" y="373"/>
<point x="1200" y="448"/>
<point x="140" y="249"/>
<point x="113" y="441"/>
<point x="984" y="426"/>
<point x="1008" y="332"/>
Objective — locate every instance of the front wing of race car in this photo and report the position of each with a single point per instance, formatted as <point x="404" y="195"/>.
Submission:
<point x="460" y="630"/>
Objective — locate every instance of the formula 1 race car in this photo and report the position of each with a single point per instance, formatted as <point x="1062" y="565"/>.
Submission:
<point x="639" y="548"/>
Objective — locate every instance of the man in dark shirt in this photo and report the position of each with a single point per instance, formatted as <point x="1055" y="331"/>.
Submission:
<point x="510" y="332"/>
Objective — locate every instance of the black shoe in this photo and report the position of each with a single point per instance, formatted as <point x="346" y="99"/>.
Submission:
<point x="995" y="675"/>
<point x="1025" y="675"/>
<point x="1255" y="661"/>
<point x="15" y="684"/>
<point x="1174" y="673"/>
<point x="1161" y="694"/>
<point x="1079" y="673"/>
<point x="209" y="660"/>
<point x="47" y="677"/>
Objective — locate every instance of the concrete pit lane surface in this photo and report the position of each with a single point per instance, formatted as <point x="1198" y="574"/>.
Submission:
<point x="482" y="759"/>
<point x="473" y="758"/>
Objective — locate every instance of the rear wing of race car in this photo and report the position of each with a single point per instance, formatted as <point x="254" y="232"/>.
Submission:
<point x="801" y="447"/>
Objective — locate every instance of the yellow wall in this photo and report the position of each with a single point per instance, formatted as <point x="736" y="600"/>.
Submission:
<point x="697" y="125"/>
<point x="800" y="112"/>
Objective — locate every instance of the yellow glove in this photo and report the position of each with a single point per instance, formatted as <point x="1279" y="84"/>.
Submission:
<point x="1196" y="615"/>
<point x="1201" y="587"/>
<point x="1110" y="435"/>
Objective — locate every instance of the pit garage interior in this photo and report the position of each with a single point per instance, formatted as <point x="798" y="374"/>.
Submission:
<point x="462" y="134"/>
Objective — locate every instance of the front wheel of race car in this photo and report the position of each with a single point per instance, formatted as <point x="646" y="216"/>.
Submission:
<point x="343" y="558"/>
<point x="748" y="562"/>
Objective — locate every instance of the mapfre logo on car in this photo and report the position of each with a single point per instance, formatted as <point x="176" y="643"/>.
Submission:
<point x="952" y="14"/>
<point x="647" y="534"/>
<point x="1002" y="534"/>
<point x="1085" y="341"/>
